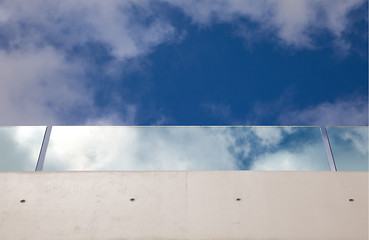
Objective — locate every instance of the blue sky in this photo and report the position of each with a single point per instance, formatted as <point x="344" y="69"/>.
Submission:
<point x="225" y="62"/>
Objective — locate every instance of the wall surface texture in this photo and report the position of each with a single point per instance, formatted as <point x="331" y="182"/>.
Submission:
<point x="184" y="205"/>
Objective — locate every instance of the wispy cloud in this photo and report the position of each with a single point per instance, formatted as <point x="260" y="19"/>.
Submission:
<point x="219" y="110"/>
<point x="131" y="28"/>
<point x="342" y="112"/>
<point x="295" y="22"/>
<point x="128" y="28"/>
<point x="37" y="85"/>
<point x="43" y="80"/>
<point x="20" y="147"/>
<point x="350" y="147"/>
<point x="308" y="158"/>
<point x="176" y="148"/>
<point x="87" y="148"/>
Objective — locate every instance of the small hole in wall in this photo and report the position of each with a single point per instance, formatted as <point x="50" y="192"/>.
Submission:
<point x="238" y="199"/>
<point x="22" y="201"/>
<point x="351" y="199"/>
<point x="132" y="199"/>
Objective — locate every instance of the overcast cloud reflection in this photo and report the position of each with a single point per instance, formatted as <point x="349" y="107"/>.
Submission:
<point x="20" y="147"/>
<point x="350" y="147"/>
<point x="185" y="148"/>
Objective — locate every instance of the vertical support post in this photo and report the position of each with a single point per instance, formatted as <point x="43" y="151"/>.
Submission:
<point x="45" y="143"/>
<point x="328" y="149"/>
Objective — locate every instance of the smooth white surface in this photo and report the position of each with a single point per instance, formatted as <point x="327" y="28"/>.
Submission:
<point x="184" y="205"/>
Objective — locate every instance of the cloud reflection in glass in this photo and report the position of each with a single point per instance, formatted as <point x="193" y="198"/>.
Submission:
<point x="185" y="148"/>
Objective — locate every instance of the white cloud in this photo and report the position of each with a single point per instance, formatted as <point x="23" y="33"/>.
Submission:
<point x="350" y="147"/>
<point x="111" y="117"/>
<point x="269" y="136"/>
<point x="182" y="148"/>
<point x="342" y="112"/>
<point x="308" y="154"/>
<point x="41" y="84"/>
<point x="131" y="148"/>
<point x="132" y="28"/>
<point x="293" y="21"/>
<point x="38" y="84"/>
<point x="310" y="157"/>
<point x="359" y="138"/>
<point x="69" y="23"/>
<point x="20" y="147"/>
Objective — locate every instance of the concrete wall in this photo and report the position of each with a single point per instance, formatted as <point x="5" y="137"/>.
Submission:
<point x="184" y="205"/>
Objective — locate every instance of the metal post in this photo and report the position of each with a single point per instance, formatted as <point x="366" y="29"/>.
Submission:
<point x="45" y="143"/>
<point x="328" y="149"/>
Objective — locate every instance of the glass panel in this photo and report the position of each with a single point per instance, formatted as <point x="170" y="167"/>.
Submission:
<point x="350" y="147"/>
<point x="185" y="148"/>
<point x="20" y="147"/>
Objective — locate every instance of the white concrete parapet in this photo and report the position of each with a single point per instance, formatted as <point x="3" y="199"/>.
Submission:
<point x="184" y="205"/>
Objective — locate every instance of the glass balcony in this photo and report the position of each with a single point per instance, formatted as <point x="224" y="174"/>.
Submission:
<point x="20" y="147"/>
<point x="350" y="147"/>
<point x="109" y="148"/>
<point x="186" y="148"/>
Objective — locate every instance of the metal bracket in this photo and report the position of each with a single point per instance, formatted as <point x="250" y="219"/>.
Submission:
<point x="45" y="143"/>
<point x="328" y="149"/>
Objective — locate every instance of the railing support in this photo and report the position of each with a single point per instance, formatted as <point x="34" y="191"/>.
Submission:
<point x="328" y="149"/>
<point x="45" y="143"/>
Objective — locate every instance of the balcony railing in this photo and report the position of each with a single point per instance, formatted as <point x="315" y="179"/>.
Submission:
<point x="97" y="148"/>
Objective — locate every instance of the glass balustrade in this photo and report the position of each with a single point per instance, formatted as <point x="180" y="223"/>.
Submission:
<point x="20" y="147"/>
<point x="349" y="147"/>
<point x="185" y="148"/>
<point x="97" y="148"/>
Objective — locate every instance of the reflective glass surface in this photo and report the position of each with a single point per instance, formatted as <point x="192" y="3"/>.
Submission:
<point x="20" y="147"/>
<point x="350" y="147"/>
<point x="185" y="148"/>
